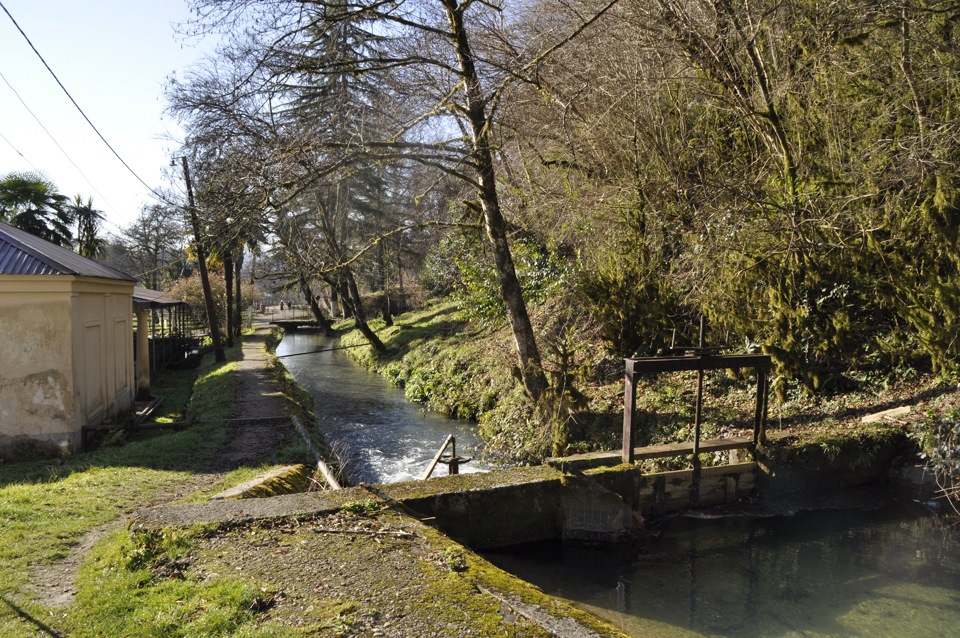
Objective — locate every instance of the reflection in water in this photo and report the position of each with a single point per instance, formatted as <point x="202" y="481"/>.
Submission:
<point x="887" y="572"/>
<point x="384" y="438"/>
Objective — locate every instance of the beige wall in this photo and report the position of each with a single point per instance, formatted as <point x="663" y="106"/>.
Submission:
<point x="66" y="359"/>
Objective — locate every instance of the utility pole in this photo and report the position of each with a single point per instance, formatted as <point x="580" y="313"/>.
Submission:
<point x="218" y="353"/>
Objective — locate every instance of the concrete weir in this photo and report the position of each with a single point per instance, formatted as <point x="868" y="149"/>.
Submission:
<point x="504" y="507"/>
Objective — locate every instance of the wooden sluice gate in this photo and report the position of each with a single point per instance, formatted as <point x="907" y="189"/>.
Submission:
<point x="700" y="359"/>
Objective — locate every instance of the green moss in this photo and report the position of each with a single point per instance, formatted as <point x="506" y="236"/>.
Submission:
<point x="294" y="480"/>
<point x="852" y="448"/>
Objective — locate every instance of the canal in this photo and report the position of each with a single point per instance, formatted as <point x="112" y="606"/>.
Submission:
<point x="890" y="569"/>
<point x="381" y="437"/>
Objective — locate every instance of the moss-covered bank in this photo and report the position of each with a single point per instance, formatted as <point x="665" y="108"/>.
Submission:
<point x="465" y="371"/>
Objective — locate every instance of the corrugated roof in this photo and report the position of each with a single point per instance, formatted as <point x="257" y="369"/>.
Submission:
<point x="24" y="254"/>
<point x="154" y="298"/>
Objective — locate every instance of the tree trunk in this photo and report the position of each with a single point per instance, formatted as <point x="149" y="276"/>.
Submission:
<point x="218" y="353"/>
<point x="346" y="288"/>
<point x="228" y="282"/>
<point x="531" y="369"/>
<point x="387" y="312"/>
<point x="322" y="321"/>
<point x="238" y="306"/>
<point x="336" y="311"/>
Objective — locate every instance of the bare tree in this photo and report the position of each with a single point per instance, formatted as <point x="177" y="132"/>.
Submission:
<point x="443" y="63"/>
<point x="151" y="247"/>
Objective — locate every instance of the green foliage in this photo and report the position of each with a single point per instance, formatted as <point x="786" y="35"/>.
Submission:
<point x="460" y="267"/>
<point x="939" y="440"/>
<point x="31" y="202"/>
<point x="90" y="241"/>
<point x="452" y="559"/>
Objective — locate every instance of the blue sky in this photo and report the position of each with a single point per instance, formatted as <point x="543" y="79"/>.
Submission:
<point x="113" y="57"/>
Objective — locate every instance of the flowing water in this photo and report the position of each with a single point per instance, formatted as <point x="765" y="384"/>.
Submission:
<point x="383" y="437"/>
<point x="888" y="571"/>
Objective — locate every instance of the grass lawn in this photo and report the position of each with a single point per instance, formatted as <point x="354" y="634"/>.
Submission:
<point x="46" y="507"/>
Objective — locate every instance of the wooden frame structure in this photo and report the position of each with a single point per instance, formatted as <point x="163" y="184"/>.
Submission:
<point x="762" y="363"/>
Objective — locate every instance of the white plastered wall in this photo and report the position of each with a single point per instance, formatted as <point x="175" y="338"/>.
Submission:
<point x="66" y="359"/>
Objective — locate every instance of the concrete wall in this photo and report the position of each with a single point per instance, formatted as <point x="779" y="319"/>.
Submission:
<point x="67" y="360"/>
<point x="520" y="505"/>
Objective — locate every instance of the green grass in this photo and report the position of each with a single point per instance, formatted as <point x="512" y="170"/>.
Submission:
<point x="47" y="506"/>
<point x="133" y="585"/>
<point x="438" y="361"/>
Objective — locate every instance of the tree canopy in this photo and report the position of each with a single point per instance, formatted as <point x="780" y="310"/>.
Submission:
<point x="31" y="202"/>
<point x="786" y="169"/>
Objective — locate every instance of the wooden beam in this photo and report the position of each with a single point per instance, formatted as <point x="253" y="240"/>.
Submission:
<point x="703" y="362"/>
<point x="600" y="459"/>
<point x="680" y="449"/>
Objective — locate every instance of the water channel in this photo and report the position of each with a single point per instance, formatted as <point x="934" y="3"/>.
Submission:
<point x="383" y="437"/>
<point x="890" y="569"/>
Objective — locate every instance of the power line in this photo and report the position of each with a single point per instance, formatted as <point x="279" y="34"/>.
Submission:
<point x="15" y="149"/>
<point x="74" y="102"/>
<point x="54" y="140"/>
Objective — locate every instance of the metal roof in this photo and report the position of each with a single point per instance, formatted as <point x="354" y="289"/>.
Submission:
<point x="153" y="298"/>
<point x="24" y="254"/>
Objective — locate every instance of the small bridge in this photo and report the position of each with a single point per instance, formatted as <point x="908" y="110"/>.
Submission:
<point x="292" y="325"/>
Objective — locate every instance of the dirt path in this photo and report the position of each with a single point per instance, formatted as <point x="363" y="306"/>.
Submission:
<point x="257" y="398"/>
<point x="262" y="428"/>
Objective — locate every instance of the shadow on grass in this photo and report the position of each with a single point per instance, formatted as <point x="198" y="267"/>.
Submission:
<point x="36" y="622"/>
<point x="442" y="322"/>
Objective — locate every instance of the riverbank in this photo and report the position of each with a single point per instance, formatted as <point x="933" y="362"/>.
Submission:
<point x="459" y="369"/>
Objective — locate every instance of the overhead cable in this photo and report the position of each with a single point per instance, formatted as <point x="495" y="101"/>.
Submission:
<point x="54" y="140"/>
<point x="74" y="102"/>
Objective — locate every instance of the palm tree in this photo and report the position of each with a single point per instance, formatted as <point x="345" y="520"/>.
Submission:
<point x="31" y="202"/>
<point x="89" y="242"/>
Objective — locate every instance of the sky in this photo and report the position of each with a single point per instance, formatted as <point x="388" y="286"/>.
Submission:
<point x="113" y="56"/>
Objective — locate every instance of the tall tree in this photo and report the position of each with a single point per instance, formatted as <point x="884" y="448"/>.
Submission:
<point x="445" y="63"/>
<point x="31" y="202"/>
<point x="152" y="247"/>
<point x="90" y="243"/>
<point x="199" y="239"/>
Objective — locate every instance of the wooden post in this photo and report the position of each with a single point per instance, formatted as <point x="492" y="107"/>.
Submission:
<point x="760" y="415"/>
<point x="143" y="353"/>
<point x="697" y="418"/>
<point x="629" y="407"/>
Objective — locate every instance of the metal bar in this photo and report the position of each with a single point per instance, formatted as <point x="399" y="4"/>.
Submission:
<point x="629" y="408"/>
<point x="702" y="362"/>
<point x="436" y="459"/>
<point x="697" y="418"/>
<point x="323" y="468"/>
<point x="698" y="411"/>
